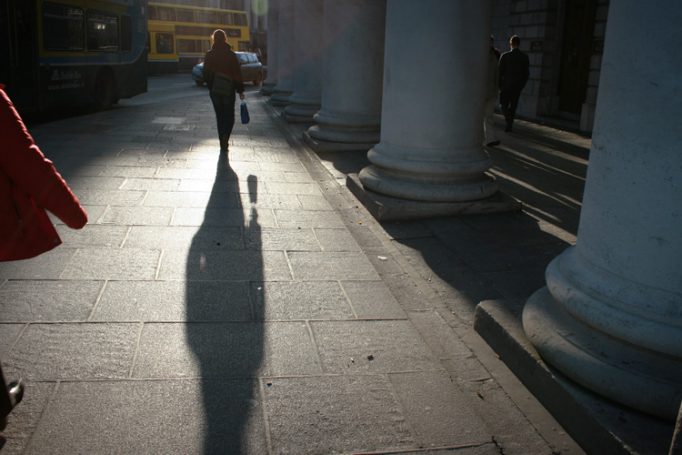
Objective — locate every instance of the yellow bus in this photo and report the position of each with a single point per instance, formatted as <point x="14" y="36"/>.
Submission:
<point x="179" y="35"/>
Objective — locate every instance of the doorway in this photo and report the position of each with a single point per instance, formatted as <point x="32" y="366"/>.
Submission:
<point x="576" y="53"/>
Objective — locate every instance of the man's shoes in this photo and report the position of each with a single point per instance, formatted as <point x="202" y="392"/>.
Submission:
<point x="492" y="144"/>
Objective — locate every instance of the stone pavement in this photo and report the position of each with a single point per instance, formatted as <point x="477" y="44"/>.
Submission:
<point x="251" y="305"/>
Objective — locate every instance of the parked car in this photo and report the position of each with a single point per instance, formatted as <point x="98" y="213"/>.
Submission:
<point x="252" y="69"/>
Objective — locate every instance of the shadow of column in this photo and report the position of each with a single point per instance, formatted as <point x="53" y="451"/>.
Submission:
<point x="224" y="334"/>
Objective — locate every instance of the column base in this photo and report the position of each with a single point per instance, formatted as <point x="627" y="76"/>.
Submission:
<point x="267" y="88"/>
<point x="319" y="145"/>
<point x="280" y="97"/>
<point x="427" y="187"/>
<point x="386" y="208"/>
<point x="597" y="424"/>
<point x="636" y="377"/>
<point x="300" y="113"/>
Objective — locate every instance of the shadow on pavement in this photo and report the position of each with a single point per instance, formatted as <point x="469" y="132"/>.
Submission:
<point x="228" y="352"/>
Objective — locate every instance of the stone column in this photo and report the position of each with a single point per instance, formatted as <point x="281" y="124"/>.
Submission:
<point x="271" y="79"/>
<point x="285" y="53"/>
<point x="353" y="71"/>
<point x="432" y="108"/>
<point x="304" y="102"/>
<point x="610" y="317"/>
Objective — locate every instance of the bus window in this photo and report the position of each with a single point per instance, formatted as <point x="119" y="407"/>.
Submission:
<point x="184" y="15"/>
<point x="164" y="43"/>
<point x="227" y="18"/>
<point x="126" y="33"/>
<point x="63" y="27"/>
<point x="102" y="32"/>
<point x="240" y="19"/>
<point x="161" y="13"/>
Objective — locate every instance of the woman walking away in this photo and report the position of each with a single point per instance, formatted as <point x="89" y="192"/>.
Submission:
<point x="223" y="76"/>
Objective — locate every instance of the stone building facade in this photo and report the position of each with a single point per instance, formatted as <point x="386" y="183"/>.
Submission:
<point x="564" y="41"/>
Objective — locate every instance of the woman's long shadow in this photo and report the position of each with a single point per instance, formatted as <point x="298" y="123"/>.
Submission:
<point x="224" y="334"/>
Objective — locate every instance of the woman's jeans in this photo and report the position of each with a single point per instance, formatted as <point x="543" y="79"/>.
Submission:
<point x="224" y="113"/>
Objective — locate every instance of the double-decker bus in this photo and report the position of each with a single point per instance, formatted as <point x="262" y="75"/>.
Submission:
<point x="71" y="53"/>
<point x="179" y="35"/>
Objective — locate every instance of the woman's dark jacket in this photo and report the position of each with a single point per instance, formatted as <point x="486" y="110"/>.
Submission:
<point x="220" y="59"/>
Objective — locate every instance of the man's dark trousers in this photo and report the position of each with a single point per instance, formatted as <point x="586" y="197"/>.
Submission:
<point x="509" y="99"/>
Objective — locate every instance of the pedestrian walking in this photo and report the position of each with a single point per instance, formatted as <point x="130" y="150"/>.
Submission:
<point x="492" y="95"/>
<point x="513" y="70"/>
<point x="29" y="185"/>
<point x="223" y="77"/>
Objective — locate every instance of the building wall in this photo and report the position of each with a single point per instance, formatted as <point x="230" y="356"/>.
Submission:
<point x="539" y="24"/>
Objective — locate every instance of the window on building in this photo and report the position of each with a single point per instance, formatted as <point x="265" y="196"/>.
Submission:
<point x="63" y="27"/>
<point x="164" y="43"/>
<point x="102" y="32"/>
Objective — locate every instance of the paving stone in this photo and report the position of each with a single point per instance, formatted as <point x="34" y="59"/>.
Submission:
<point x="204" y="237"/>
<point x="517" y="283"/>
<point x="284" y="167"/>
<point x="220" y="217"/>
<point x="49" y="352"/>
<point x="9" y="333"/>
<point x="300" y="300"/>
<point x="155" y="184"/>
<point x="334" y="414"/>
<point x="92" y="235"/>
<point x="82" y="182"/>
<point x="352" y="347"/>
<point x="283" y="239"/>
<point x="439" y="336"/>
<point x="336" y="240"/>
<point x="227" y="184"/>
<point x="296" y="177"/>
<point x="48" y="265"/>
<point x="112" y="264"/>
<point x="224" y="265"/>
<point x="231" y="350"/>
<point x="121" y="198"/>
<point x="300" y="218"/>
<point x="115" y="171"/>
<point x="276" y="155"/>
<point x="293" y="188"/>
<point x="177" y="417"/>
<point x="189" y="199"/>
<point x="137" y="216"/>
<point x="174" y="301"/>
<point x="23" y="420"/>
<point x="30" y="301"/>
<point x="309" y="202"/>
<point x="372" y="300"/>
<point x="439" y="412"/>
<point x="182" y="174"/>
<point x="331" y="266"/>
<point x="272" y="201"/>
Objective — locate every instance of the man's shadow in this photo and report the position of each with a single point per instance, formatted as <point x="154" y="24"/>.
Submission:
<point x="224" y="334"/>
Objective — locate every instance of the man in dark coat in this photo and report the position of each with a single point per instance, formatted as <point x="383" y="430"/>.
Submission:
<point x="513" y="77"/>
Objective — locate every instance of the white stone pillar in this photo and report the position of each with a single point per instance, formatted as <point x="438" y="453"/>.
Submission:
<point x="286" y="55"/>
<point x="304" y="102"/>
<point x="271" y="79"/>
<point x="353" y="71"/>
<point x="432" y="108"/>
<point x="610" y="317"/>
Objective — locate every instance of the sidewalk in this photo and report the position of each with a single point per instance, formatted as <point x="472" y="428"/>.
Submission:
<point x="253" y="306"/>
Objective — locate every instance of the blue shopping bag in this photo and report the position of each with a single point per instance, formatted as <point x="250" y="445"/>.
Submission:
<point x="244" y="113"/>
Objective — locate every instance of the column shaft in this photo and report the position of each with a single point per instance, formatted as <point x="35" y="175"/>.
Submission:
<point x="271" y="79"/>
<point x="286" y="55"/>
<point x="611" y="315"/>
<point x="432" y="106"/>
<point x="304" y="102"/>
<point x="353" y="70"/>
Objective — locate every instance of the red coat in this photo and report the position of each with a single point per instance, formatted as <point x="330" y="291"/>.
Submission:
<point x="29" y="184"/>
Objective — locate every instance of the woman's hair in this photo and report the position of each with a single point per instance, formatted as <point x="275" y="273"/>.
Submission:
<point x="218" y="36"/>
